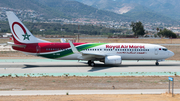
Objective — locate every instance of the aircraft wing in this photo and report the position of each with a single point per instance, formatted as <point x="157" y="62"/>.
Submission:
<point x="89" y="56"/>
<point x="85" y="55"/>
<point x="102" y="55"/>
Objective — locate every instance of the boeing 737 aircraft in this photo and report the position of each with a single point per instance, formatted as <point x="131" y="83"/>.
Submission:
<point x="108" y="53"/>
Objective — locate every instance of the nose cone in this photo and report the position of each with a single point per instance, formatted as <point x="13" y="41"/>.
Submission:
<point x="170" y="54"/>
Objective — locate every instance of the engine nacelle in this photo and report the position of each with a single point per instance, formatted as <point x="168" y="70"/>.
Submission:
<point x="113" y="60"/>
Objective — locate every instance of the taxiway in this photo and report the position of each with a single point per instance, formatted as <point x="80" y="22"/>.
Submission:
<point x="78" y="92"/>
<point x="81" y="68"/>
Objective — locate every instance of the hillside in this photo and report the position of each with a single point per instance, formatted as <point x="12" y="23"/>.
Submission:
<point x="65" y="29"/>
<point x="168" y="8"/>
<point x="67" y="9"/>
<point x="62" y="9"/>
<point x="74" y="9"/>
<point x="132" y="11"/>
<point x="104" y="12"/>
<point x="30" y="5"/>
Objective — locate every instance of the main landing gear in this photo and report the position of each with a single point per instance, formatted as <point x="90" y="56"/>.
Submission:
<point x="91" y="63"/>
<point x="157" y="63"/>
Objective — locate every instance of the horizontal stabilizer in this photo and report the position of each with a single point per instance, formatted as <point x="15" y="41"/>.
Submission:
<point x="4" y="44"/>
<point x="16" y="45"/>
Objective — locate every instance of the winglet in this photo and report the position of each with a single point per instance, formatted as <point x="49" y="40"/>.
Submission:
<point x="74" y="49"/>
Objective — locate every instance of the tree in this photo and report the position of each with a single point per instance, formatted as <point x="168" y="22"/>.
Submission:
<point x="167" y="33"/>
<point x="137" y="28"/>
<point x="157" y="29"/>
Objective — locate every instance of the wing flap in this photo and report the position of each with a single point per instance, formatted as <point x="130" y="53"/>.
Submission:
<point x="96" y="54"/>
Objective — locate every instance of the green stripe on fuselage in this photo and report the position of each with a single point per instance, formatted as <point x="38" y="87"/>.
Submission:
<point x="64" y="53"/>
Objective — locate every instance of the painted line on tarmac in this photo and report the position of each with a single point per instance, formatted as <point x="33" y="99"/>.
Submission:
<point x="79" y="92"/>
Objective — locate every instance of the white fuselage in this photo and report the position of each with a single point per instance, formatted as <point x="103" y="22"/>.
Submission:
<point x="127" y="51"/>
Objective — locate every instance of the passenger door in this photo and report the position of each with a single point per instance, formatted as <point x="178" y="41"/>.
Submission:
<point x="156" y="50"/>
<point x="38" y="49"/>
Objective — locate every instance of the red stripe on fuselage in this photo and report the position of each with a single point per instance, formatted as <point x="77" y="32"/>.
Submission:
<point x="45" y="47"/>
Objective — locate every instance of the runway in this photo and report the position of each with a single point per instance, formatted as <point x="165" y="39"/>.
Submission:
<point x="78" y="92"/>
<point x="42" y="67"/>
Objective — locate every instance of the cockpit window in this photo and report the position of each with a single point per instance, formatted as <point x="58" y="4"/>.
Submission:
<point x="164" y="49"/>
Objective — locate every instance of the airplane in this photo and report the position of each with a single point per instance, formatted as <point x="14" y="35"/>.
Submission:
<point x="63" y="40"/>
<point x="108" y="53"/>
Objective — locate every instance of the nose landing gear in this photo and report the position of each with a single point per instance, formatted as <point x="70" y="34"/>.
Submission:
<point x="157" y="63"/>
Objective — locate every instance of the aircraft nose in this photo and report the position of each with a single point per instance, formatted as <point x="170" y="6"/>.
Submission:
<point x="171" y="54"/>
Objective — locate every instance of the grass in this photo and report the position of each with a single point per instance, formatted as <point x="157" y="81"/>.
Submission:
<point x="130" y="80"/>
<point x="109" y="81"/>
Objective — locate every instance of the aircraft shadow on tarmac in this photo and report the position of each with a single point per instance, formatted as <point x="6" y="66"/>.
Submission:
<point x="36" y="66"/>
<point x="75" y="66"/>
<point x="97" y="65"/>
<point x="102" y="66"/>
<point x="96" y="68"/>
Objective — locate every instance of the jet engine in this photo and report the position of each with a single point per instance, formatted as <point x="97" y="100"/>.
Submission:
<point x="113" y="60"/>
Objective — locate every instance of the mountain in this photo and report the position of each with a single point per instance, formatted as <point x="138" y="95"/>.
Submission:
<point x="30" y="5"/>
<point x="134" y="11"/>
<point x="119" y="7"/>
<point x="104" y="10"/>
<point x="87" y="2"/>
<point x="62" y="9"/>
<point x="74" y="9"/>
<point x="169" y="8"/>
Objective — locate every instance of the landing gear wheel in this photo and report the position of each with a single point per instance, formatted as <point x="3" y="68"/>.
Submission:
<point x="92" y="64"/>
<point x="157" y="63"/>
<point x="89" y="62"/>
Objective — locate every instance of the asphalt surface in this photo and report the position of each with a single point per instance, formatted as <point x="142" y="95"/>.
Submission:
<point x="79" y="92"/>
<point x="82" y="67"/>
<point x="60" y="67"/>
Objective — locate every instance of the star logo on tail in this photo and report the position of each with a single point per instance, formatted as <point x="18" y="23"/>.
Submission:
<point x="26" y="36"/>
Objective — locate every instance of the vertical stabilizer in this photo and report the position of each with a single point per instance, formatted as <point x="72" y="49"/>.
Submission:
<point x="20" y="33"/>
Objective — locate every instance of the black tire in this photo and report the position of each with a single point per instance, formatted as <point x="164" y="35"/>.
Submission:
<point x="89" y="62"/>
<point x="92" y="64"/>
<point x="157" y="63"/>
